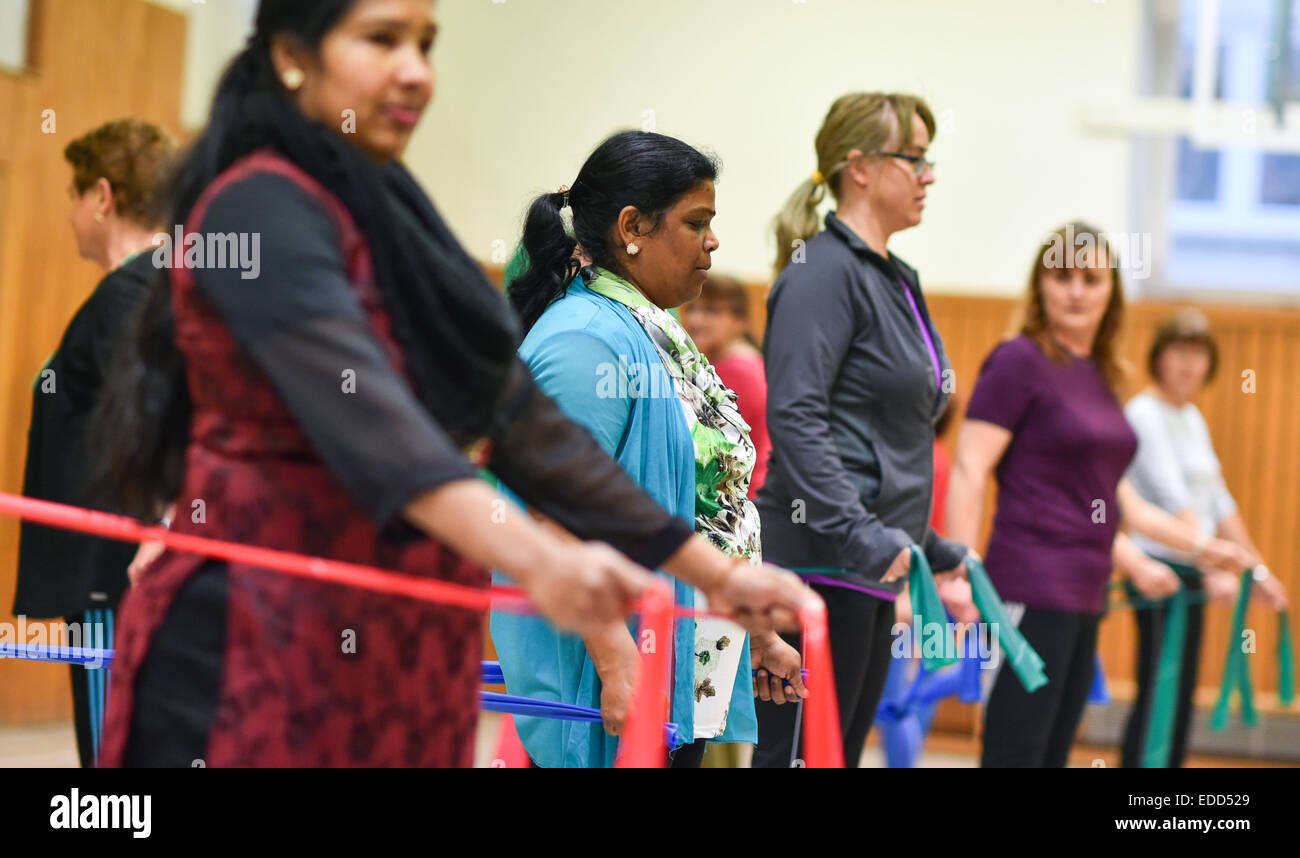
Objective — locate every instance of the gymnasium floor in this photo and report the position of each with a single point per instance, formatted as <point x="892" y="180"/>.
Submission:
<point x="53" y="746"/>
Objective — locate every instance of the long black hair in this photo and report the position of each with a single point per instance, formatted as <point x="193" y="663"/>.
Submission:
<point x="456" y="331"/>
<point x="632" y="168"/>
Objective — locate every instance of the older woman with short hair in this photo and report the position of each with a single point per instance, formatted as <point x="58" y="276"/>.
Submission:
<point x="116" y="170"/>
<point x="1177" y="469"/>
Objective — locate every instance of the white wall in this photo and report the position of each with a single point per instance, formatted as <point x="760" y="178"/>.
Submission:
<point x="216" y="32"/>
<point x="527" y="88"/>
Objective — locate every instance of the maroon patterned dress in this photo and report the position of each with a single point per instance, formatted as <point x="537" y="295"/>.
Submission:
<point x="314" y="674"/>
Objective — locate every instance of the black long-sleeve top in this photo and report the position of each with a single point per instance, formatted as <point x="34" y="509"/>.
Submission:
<point x="62" y="573"/>
<point x="301" y="322"/>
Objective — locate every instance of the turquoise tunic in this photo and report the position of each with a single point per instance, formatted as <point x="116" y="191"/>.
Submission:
<point x="592" y="357"/>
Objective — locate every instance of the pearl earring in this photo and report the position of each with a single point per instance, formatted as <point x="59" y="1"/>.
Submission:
<point x="632" y="249"/>
<point x="99" y="218"/>
<point x="292" y="79"/>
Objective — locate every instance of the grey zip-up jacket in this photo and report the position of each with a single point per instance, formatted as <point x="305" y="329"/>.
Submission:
<point x="851" y="404"/>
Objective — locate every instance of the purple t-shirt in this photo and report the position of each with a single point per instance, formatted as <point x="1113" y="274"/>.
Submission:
<point x="1057" y="514"/>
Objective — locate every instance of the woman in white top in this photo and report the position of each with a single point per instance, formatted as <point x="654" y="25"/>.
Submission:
<point x="1176" y="469"/>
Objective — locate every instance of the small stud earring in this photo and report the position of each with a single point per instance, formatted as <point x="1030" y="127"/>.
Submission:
<point x="99" y="218"/>
<point x="632" y="249"/>
<point x="292" y="79"/>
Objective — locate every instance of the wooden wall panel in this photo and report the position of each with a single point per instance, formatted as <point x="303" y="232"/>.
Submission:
<point x="92" y="61"/>
<point x="1257" y="436"/>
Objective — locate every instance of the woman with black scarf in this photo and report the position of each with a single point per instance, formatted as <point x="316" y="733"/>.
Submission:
<point x="335" y="399"/>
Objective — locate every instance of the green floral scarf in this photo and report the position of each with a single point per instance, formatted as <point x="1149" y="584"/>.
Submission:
<point x="724" y="453"/>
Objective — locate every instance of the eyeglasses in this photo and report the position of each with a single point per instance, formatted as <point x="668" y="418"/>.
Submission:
<point x="919" y="164"/>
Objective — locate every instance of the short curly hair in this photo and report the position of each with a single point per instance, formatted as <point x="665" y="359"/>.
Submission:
<point x="134" y="156"/>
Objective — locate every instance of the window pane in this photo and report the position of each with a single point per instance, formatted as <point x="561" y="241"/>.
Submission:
<point x="1233" y="217"/>
<point x="13" y="33"/>
<point x="1280" y="180"/>
<point x="1197" y="173"/>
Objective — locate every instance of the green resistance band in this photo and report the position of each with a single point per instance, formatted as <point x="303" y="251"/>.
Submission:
<point x="1022" y="657"/>
<point x="1235" y="672"/>
<point x="1138" y="602"/>
<point x="1285" y="661"/>
<point x="1158" y="741"/>
<point x="1241" y="671"/>
<point x="928" y="608"/>
<point x="1169" y="670"/>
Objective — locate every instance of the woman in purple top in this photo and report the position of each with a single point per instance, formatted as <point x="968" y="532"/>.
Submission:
<point x="1044" y="415"/>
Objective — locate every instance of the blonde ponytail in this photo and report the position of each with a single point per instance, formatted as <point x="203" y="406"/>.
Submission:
<point x="797" y="221"/>
<point x="866" y="121"/>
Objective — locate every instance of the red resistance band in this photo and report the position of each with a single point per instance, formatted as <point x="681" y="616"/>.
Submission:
<point x="642" y="741"/>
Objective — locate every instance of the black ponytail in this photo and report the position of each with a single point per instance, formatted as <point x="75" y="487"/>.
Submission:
<point x="552" y="264"/>
<point x="648" y="171"/>
<point x="141" y="421"/>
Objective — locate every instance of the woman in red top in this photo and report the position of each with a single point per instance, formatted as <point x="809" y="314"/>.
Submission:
<point x="328" y="384"/>
<point x="718" y="321"/>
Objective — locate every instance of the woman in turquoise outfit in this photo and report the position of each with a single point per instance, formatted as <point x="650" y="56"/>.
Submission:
<point x="599" y="266"/>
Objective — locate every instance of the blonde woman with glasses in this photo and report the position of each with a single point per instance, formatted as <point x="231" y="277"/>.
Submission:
<point x="855" y="371"/>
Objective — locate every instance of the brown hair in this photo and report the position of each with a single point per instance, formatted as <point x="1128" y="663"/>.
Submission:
<point x="134" y="156"/>
<point x="861" y="120"/>
<point x="1105" y="347"/>
<point x="729" y="291"/>
<point x="1188" y="325"/>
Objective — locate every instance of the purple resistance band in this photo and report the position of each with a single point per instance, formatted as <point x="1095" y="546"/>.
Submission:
<point x="828" y="581"/>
